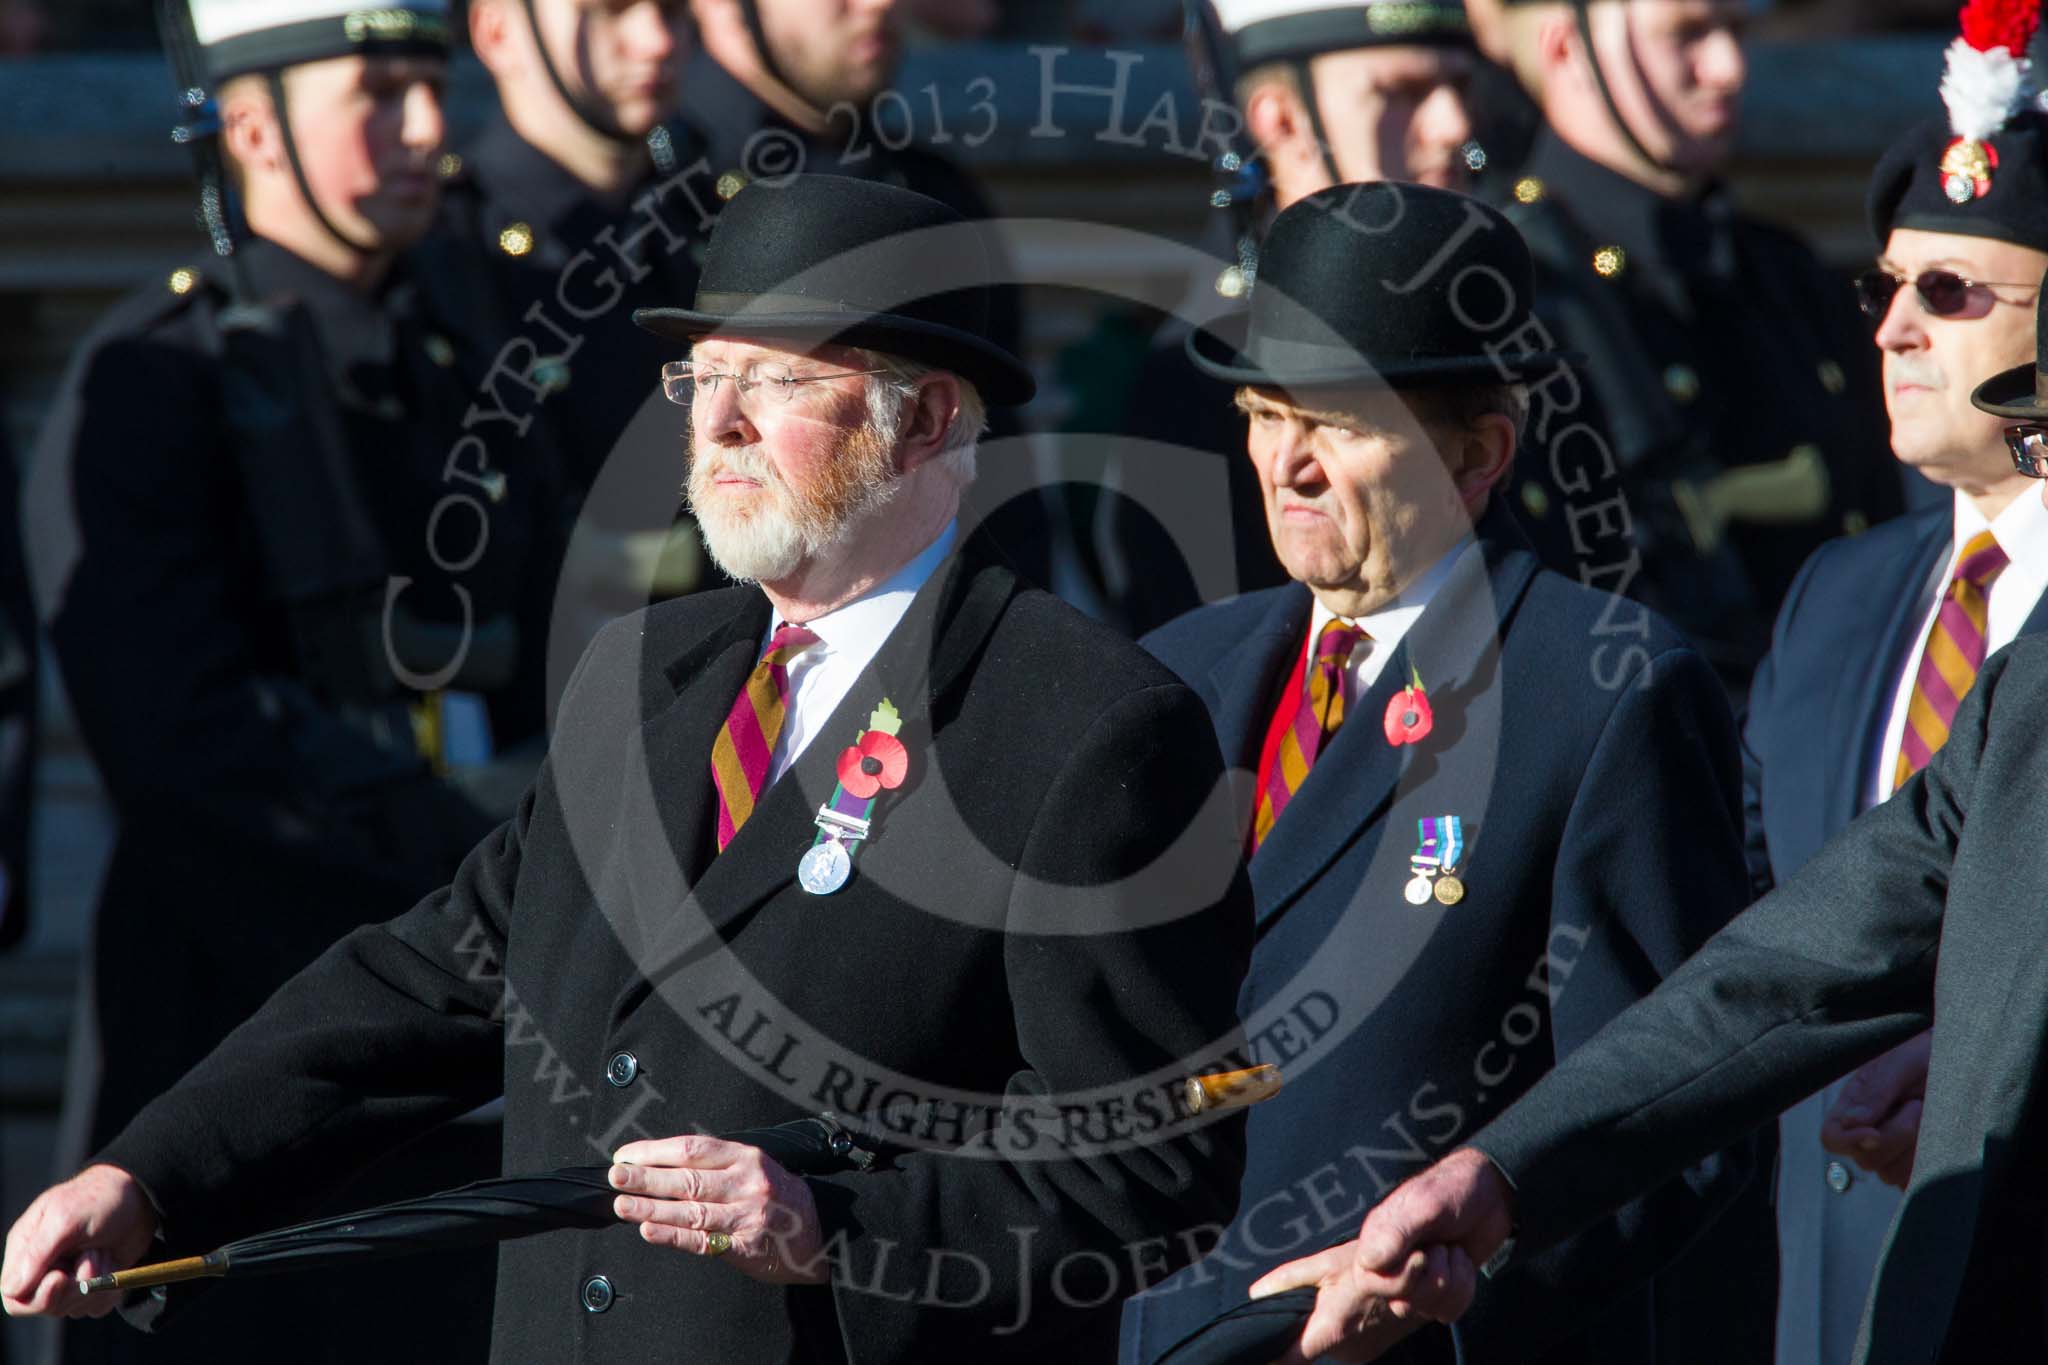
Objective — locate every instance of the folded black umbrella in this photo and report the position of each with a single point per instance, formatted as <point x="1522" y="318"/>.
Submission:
<point x="486" y="1211"/>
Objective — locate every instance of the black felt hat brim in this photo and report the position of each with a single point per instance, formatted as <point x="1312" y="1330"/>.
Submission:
<point x="997" y="375"/>
<point x="1218" y="351"/>
<point x="2014" y="394"/>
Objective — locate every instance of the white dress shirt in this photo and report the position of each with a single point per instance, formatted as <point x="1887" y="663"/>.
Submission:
<point x="849" y="637"/>
<point x="2021" y="530"/>
<point x="1386" y="627"/>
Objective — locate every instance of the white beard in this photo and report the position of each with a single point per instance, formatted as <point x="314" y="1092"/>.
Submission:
<point x="768" y="544"/>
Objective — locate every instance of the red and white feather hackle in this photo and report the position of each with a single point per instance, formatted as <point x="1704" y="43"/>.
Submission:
<point x="1983" y="84"/>
<point x="1987" y="70"/>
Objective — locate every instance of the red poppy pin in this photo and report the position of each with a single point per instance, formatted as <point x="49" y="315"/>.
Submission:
<point x="878" y="759"/>
<point x="1409" y="719"/>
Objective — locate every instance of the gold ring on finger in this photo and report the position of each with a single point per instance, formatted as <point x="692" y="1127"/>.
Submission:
<point x="717" y="1243"/>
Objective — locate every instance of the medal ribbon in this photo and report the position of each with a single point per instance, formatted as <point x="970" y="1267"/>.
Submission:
<point x="842" y="803"/>
<point x="1453" y="830"/>
<point x="1425" y="859"/>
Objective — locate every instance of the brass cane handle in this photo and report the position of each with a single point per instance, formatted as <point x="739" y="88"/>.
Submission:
<point x="1232" y="1089"/>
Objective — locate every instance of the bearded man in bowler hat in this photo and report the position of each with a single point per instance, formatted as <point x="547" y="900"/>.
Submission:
<point x="1480" y="822"/>
<point x="880" y="832"/>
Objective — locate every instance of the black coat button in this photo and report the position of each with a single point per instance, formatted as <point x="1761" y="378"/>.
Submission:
<point x="597" y="1294"/>
<point x="622" y="1068"/>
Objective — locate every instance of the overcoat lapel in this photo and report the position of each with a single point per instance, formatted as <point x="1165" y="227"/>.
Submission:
<point x="1454" y="648"/>
<point x="1863" y="696"/>
<point x="927" y="654"/>
<point x="1246" y="681"/>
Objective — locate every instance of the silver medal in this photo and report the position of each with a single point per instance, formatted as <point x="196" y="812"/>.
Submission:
<point x="825" y="868"/>
<point x="1419" y="890"/>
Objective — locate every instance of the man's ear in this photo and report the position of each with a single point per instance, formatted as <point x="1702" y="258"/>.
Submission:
<point x="250" y="132"/>
<point x="1486" y="455"/>
<point x="1558" y="49"/>
<point x="930" y="417"/>
<point x="490" y="34"/>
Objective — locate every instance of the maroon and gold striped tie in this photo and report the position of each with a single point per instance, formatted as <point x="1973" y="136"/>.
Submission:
<point x="745" y="747"/>
<point x="1314" y="723"/>
<point x="1954" y="653"/>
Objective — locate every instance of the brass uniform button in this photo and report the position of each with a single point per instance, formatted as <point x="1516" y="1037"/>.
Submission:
<point x="730" y="184"/>
<point x="1231" y="283"/>
<point x="1609" y="261"/>
<point x="1535" y="500"/>
<point x="439" y="349"/>
<point x="449" y="166"/>
<point x="1831" y="377"/>
<point x="1528" y="190"/>
<point x="1682" y="382"/>
<point x="183" y="280"/>
<point x="516" y="239"/>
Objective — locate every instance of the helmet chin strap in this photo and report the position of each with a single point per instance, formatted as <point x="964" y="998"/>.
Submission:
<point x="1305" y="79"/>
<point x="1628" y="134"/>
<point x="275" y="80"/>
<point x="585" y="109"/>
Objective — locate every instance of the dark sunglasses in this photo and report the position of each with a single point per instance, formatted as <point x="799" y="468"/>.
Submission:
<point x="1942" y="292"/>
<point x="2029" y="447"/>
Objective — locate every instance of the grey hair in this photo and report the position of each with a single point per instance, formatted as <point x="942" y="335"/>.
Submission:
<point x="898" y="381"/>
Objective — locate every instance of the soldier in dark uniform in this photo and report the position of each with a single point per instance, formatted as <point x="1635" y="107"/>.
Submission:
<point x="285" y="592"/>
<point x="1330" y="93"/>
<point x="579" y="201"/>
<point x="1729" y="374"/>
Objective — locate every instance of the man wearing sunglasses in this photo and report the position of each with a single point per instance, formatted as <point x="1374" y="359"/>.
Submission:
<point x="1880" y="637"/>
<point x="1727" y="370"/>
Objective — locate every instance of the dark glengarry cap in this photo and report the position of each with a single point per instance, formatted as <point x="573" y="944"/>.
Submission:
<point x="1910" y="187"/>
<point x="1382" y="283"/>
<point x="241" y="36"/>
<point x="2021" y="393"/>
<point x="1293" y="30"/>
<point x="827" y="258"/>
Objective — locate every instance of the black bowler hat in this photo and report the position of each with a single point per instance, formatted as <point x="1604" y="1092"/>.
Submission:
<point x="1383" y="283"/>
<point x="1925" y="181"/>
<point x="827" y="258"/>
<point x="2021" y="392"/>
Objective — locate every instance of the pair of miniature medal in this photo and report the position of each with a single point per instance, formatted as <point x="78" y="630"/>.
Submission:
<point x="1440" y="843"/>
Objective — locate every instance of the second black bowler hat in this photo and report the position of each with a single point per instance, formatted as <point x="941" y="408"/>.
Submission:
<point x="826" y="258"/>
<point x="1384" y="283"/>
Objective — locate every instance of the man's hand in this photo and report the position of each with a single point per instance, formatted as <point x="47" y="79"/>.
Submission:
<point x="680" y="1190"/>
<point x="1351" y="1321"/>
<point x="1416" y="1255"/>
<point x="97" y="1221"/>
<point x="1875" y="1121"/>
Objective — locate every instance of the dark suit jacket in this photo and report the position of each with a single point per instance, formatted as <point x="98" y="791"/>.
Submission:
<point x="1594" y="769"/>
<point x="1052" y="902"/>
<point x="1925" y="911"/>
<point x="1823" y="694"/>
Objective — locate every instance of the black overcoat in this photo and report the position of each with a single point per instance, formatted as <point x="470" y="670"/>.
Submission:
<point x="1051" y="902"/>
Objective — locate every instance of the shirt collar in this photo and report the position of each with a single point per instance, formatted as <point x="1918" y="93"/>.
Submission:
<point x="865" y="622"/>
<point x="2021" y="530"/>
<point x="1388" y="625"/>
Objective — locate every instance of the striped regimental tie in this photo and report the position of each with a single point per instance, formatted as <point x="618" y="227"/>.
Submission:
<point x="1314" y="722"/>
<point x="740" y="755"/>
<point x="1954" y="653"/>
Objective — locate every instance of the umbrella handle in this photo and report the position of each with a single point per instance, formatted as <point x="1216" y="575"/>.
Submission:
<point x="162" y="1272"/>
